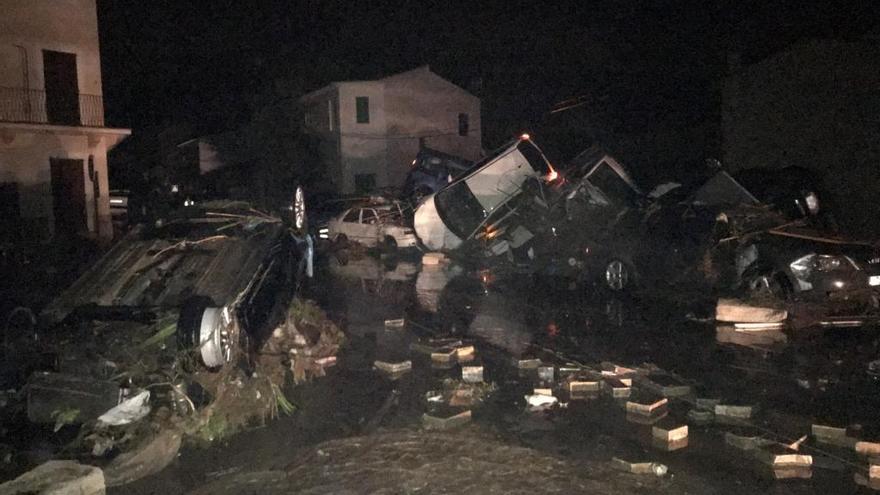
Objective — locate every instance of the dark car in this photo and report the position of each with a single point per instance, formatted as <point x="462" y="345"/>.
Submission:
<point x="431" y="171"/>
<point x="221" y="269"/>
<point x="808" y="265"/>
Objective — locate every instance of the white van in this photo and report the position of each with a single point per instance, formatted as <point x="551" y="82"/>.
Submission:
<point x="459" y="211"/>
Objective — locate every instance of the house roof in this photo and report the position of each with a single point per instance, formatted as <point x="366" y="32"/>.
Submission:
<point x="420" y="71"/>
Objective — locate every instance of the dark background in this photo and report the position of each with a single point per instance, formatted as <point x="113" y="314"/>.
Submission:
<point x="635" y="67"/>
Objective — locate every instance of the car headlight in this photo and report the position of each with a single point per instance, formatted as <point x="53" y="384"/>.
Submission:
<point x="803" y="267"/>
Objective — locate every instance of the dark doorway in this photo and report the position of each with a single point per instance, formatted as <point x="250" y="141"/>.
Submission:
<point x="10" y="214"/>
<point x="68" y="196"/>
<point x="62" y="88"/>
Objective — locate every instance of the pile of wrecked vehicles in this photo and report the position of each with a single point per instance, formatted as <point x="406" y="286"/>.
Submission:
<point x="188" y="329"/>
<point x="589" y="224"/>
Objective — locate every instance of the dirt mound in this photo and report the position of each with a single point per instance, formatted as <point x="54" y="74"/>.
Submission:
<point x="444" y="462"/>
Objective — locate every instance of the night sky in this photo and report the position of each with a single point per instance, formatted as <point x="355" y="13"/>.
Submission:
<point x="636" y="66"/>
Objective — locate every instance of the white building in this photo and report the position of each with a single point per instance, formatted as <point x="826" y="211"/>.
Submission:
<point x="372" y="130"/>
<point x="53" y="139"/>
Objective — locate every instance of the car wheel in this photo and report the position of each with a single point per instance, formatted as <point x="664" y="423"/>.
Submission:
<point x="200" y="329"/>
<point x="390" y="243"/>
<point x="618" y="275"/>
<point x="342" y="240"/>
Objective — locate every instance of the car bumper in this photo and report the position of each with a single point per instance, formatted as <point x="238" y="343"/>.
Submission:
<point x="407" y="241"/>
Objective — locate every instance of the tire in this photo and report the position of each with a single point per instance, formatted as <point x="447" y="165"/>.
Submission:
<point x="618" y="275"/>
<point x="197" y="314"/>
<point x="341" y="240"/>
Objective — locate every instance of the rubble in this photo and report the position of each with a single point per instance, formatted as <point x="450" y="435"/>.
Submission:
<point x="540" y="402"/>
<point x="746" y="442"/>
<point x="396" y="324"/>
<point x="654" y="468"/>
<point x="546" y="373"/>
<point x="58" y="478"/>
<point x="472" y="374"/>
<point x="732" y="413"/>
<point x="665" y="384"/>
<point x="432" y="422"/>
<point x="832" y="436"/>
<point x="394" y="370"/>
<point x="734" y="311"/>
<point x="128" y="411"/>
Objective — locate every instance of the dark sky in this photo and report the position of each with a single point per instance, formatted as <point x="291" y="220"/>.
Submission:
<point x="637" y="64"/>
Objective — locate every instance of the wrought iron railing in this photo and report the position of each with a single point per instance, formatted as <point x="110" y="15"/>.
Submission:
<point x="31" y="106"/>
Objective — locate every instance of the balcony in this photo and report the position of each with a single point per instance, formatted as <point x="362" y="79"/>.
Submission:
<point x="33" y="106"/>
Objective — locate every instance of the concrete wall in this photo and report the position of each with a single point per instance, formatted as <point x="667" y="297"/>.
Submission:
<point x="815" y="105"/>
<point x="24" y="159"/>
<point x="419" y="103"/>
<point x="27" y="27"/>
<point x="362" y="147"/>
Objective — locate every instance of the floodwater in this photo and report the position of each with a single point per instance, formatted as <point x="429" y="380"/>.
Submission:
<point x="793" y="379"/>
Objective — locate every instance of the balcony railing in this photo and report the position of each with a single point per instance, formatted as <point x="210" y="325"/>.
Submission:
<point x="34" y="107"/>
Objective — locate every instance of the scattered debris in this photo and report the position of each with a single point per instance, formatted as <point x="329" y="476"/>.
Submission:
<point x="431" y="422"/>
<point x="734" y="311"/>
<point x="433" y="258"/>
<point x="545" y="373"/>
<point x="396" y="324"/>
<point x="654" y="468"/>
<point x="395" y="370"/>
<point x="128" y="411"/>
<point x="528" y="364"/>
<point x="540" y="402"/>
<point x="730" y="413"/>
<point x="472" y="374"/>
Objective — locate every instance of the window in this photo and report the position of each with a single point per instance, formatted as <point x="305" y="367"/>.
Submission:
<point x="362" y="107"/>
<point x="364" y="182"/>
<point x="352" y="216"/>
<point x="368" y="216"/>
<point x="463" y="124"/>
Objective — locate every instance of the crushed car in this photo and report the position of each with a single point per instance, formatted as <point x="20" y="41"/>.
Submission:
<point x="759" y="250"/>
<point x="474" y="210"/>
<point x="431" y="171"/>
<point x="222" y="268"/>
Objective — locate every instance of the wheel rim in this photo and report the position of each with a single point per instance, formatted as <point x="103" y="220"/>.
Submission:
<point x="616" y="275"/>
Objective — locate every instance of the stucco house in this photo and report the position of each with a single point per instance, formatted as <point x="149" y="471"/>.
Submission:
<point x="370" y="131"/>
<point x="53" y="138"/>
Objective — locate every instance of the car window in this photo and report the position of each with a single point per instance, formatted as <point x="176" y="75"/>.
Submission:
<point x="369" y="216"/>
<point x="352" y="216"/>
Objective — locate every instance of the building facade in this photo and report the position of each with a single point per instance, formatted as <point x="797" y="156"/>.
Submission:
<point x="370" y="131"/>
<point x="53" y="138"/>
<point x="815" y="105"/>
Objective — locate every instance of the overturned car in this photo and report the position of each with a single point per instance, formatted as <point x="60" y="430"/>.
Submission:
<point x="224" y="269"/>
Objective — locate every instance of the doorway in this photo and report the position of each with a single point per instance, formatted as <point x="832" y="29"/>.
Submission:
<point x="62" y="88"/>
<point x="68" y="196"/>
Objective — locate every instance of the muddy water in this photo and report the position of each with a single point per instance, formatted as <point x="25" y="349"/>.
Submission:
<point x="793" y="379"/>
